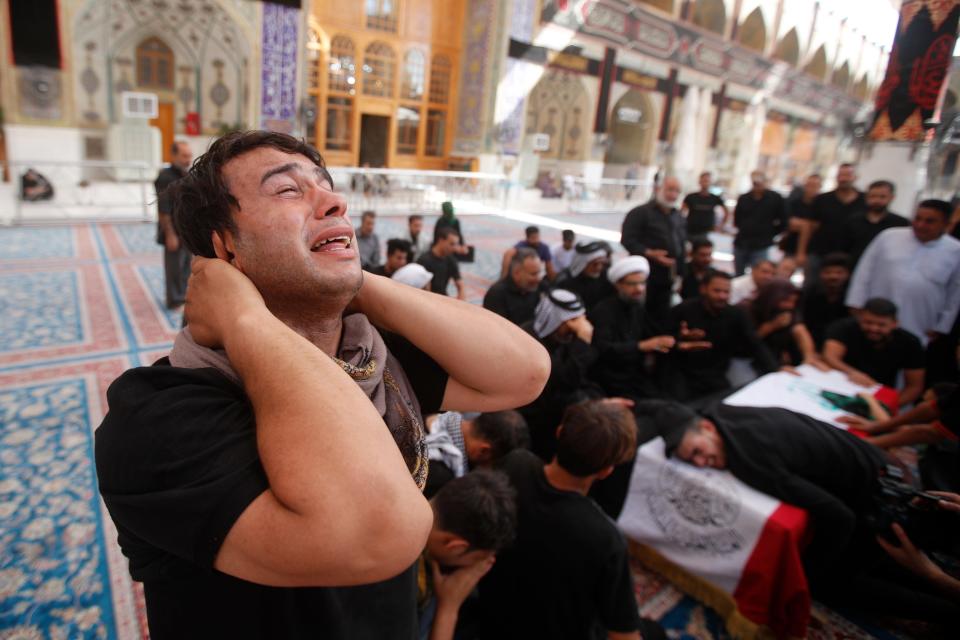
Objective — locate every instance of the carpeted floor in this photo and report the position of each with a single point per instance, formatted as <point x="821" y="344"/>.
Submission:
<point x="79" y="305"/>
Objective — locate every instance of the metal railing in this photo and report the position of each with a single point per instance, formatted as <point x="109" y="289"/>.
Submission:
<point x="87" y="190"/>
<point x="407" y="191"/>
<point x="590" y="195"/>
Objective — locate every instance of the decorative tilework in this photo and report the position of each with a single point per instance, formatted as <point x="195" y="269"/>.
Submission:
<point x="473" y="74"/>
<point x="39" y="309"/>
<point x="24" y="243"/>
<point x="279" y="64"/>
<point x="53" y="580"/>
<point x="138" y="239"/>
<point x="55" y="312"/>
<point x="149" y="319"/>
<point x="152" y="276"/>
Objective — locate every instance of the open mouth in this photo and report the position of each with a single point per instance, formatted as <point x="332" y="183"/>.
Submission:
<point x="336" y="243"/>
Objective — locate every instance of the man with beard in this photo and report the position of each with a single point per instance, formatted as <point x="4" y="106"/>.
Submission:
<point x="701" y="260"/>
<point x="656" y="231"/>
<point x="585" y="277"/>
<point x="515" y="297"/>
<point x="862" y="227"/>
<point x="710" y="332"/>
<point x="265" y="479"/>
<point x="623" y="335"/>
<point x="823" y="303"/>
<point x="830" y="213"/>
<point x="872" y="350"/>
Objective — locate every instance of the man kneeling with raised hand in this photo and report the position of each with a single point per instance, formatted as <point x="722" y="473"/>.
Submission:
<point x="266" y="479"/>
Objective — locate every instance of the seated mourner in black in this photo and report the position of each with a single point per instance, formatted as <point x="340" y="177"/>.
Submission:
<point x="882" y="360"/>
<point x="568" y="574"/>
<point x="624" y="337"/>
<point x="872" y="349"/>
<point x="586" y="274"/>
<point x="709" y="333"/>
<point x="562" y="328"/>
<point x="823" y="302"/>
<point x="266" y="481"/>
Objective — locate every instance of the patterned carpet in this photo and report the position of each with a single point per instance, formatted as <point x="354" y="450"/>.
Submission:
<point x="79" y="305"/>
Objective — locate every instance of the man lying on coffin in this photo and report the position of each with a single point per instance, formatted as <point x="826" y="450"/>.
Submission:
<point x="849" y="487"/>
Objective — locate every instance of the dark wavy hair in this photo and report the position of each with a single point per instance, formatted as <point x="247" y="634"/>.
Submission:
<point x="202" y="202"/>
<point x="766" y="306"/>
<point x="480" y="507"/>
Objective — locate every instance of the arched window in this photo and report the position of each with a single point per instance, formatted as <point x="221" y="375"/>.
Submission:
<point x="862" y="91"/>
<point x="342" y="70"/>
<point x="440" y="79"/>
<point x="789" y="48"/>
<point x="379" y="66"/>
<point x="711" y="15"/>
<point x="381" y="15"/>
<point x="753" y="31"/>
<point x="155" y="64"/>
<point x="817" y="67"/>
<point x="414" y="75"/>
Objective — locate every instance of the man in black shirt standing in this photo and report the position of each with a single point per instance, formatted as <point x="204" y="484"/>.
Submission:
<point x="265" y="479"/>
<point x="656" y="231"/>
<point x="700" y="209"/>
<point x="568" y="574"/>
<point x="758" y="217"/>
<point x="799" y="208"/>
<point x="176" y="256"/>
<point x="823" y="303"/>
<point x="862" y="227"/>
<point x="709" y="333"/>
<point x="830" y="213"/>
<point x="440" y="261"/>
<point x="515" y="297"/>
<point x="871" y="349"/>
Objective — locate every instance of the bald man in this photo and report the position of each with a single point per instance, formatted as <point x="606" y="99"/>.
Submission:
<point x="656" y="231"/>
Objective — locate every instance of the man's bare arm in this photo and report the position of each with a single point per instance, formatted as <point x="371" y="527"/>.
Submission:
<point x="341" y="508"/>
<point x="833" y="353"/>
<point x="492" y="363"/>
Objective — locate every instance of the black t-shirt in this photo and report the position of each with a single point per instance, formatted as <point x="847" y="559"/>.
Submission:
<point x="796" y="208"/>
<point x="567" y="575"/>
<point x="832" y="214"/>
<point x="758" y="220"/>
<point x="881" y="361"/>
<point x="177" y="464"/>
<point x="165" y="179"/>
<point x="817" y="311"/>
<point x="443" y="270"/>
<point x="859" y="232"/>
<point x="701" y="216"/>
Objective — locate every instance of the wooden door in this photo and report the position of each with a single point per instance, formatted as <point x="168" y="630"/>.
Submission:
<point x="164" y="122"/>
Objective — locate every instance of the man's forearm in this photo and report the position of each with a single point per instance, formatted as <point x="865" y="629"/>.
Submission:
<point x="476" y="347"/>
<point x="326" y="451"/>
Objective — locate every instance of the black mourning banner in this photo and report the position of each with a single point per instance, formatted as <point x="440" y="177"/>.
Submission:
<point x="919" y="62"/>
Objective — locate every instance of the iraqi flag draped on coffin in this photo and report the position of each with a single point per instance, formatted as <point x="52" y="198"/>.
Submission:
<point x="729" y="545"/>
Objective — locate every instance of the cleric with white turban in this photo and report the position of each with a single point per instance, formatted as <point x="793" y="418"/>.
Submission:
<point x="625" y="266"/>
